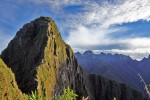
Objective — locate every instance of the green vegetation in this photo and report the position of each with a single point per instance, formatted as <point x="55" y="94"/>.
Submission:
<point x="8" y="87"/>
<point x="35" y="96"/>
<point x="68" y="94"/>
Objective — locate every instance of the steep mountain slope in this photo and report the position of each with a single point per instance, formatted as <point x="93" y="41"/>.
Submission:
<point x="42" y="61"/>
<point x="117" y="67"/>
<point x="8" y="87"/>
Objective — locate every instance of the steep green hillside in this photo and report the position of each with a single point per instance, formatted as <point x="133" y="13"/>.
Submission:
<point x="8" y="87"/>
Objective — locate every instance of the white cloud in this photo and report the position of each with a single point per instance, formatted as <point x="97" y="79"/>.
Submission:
<point x="54" y="4"/>
<point x="107" y="14"/>
<point x="137" y="54"/>
<point x="129" y="11"/>
<point x="103" y="12"/>
<point x="88" y="37"/>
<point x="139" y="42"/>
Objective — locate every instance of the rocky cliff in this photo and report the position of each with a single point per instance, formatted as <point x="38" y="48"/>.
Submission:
<point x="42" y="61"/>
<point x="105" y="89"/>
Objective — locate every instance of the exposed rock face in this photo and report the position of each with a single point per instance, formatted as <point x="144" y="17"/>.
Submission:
<point x="105" y="89"/>
<point x="8" y="87"/>
<point x="42" y="61"/>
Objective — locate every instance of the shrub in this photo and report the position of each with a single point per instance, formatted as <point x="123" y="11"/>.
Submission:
<point x="35" y="96"/>
<point x="68" y="94"/>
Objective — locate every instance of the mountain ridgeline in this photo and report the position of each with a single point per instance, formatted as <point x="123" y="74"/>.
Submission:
<point x="117" y="67"/>
<point x="42" y="61"/>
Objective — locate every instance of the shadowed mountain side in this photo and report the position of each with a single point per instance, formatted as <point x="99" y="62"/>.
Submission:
<point x="105" y="89"/>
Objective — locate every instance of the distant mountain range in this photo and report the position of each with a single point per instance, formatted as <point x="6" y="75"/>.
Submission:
<point x="118" y="67"/>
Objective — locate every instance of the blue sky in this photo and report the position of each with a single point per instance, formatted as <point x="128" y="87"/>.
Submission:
<point x="111" y="26"/>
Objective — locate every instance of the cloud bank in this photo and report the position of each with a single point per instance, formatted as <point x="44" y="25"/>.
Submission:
<point x="100" y="40"/>
<point x="103" y="12"/>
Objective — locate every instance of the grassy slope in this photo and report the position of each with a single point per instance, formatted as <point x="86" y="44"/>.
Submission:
<point x="8" y="87"/>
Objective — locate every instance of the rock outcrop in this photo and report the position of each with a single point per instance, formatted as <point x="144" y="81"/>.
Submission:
<point x="8" y="86"/>
<point x="42" y="61"/>
<point x="105" y="89"/>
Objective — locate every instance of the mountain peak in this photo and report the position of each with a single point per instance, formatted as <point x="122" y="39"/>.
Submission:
<point x="38" y="24"/>
<point x="37" y="42"/>
<point x="78" y="53"/>
<point x="44" y="18"/>
<point x="102" y="53"/>
<point x="42" y="61"/>
<point x="148" y="56"/>
<point x="89" y="52"/>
